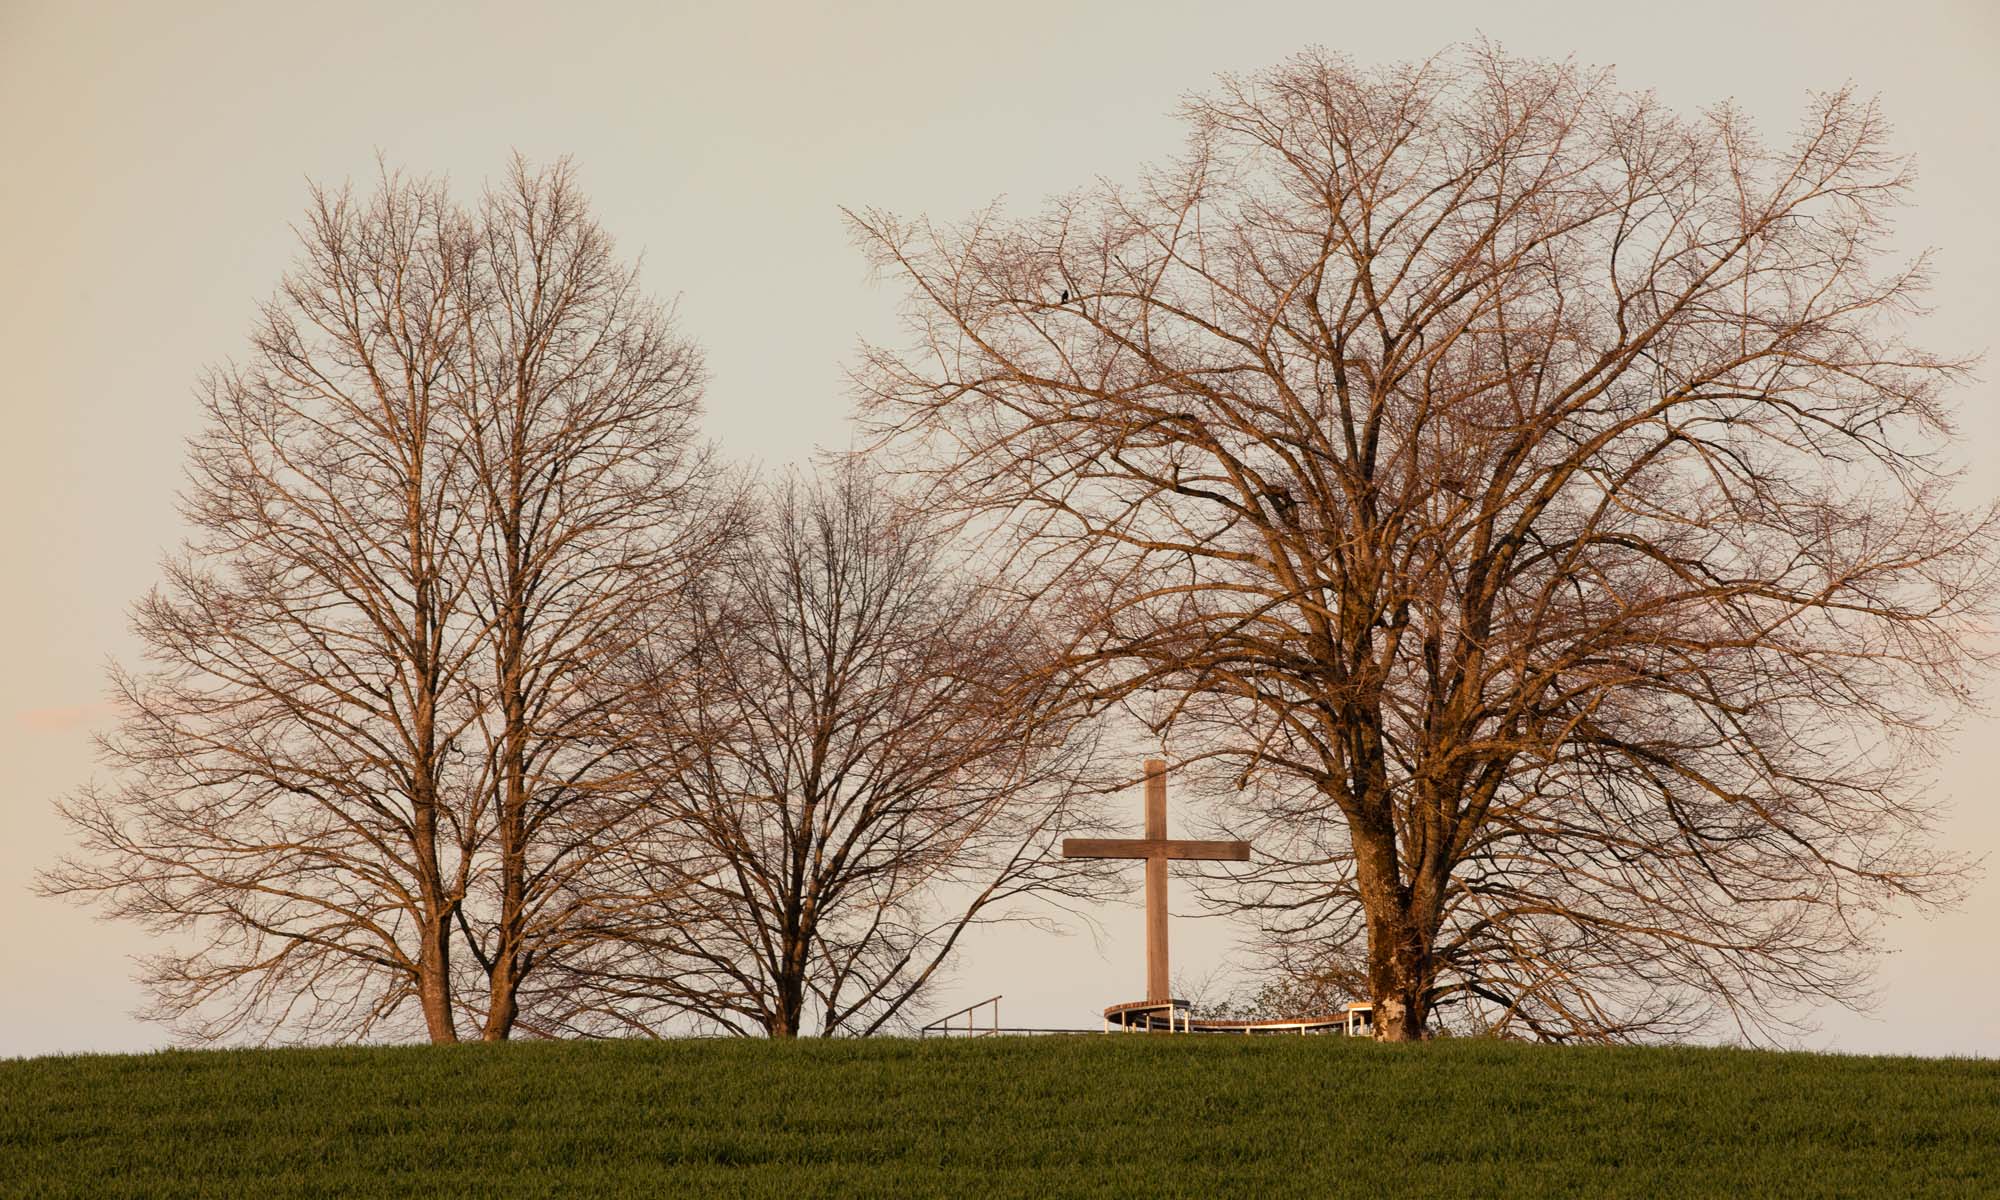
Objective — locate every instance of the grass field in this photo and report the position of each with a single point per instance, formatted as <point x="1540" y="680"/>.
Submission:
<point x="1128" y="1115"/>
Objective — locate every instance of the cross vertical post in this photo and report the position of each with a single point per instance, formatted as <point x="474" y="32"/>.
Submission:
<point x="1156" y="882"/>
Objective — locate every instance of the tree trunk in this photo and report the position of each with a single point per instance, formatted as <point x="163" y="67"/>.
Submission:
<point x="503" y="1005"/>
<point x="435" y="912"/>
<point x="1399" y="977"/>
<point x="510" y="953"/>
<point x="791" y="1008"/>
<point x="509" y="962"/>
<point x="1401" y="965"/>
<point x="434" y="978"/>
<point x="790" y="991"/>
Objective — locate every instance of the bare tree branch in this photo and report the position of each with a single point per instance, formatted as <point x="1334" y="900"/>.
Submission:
<point x="1521" y="498"/>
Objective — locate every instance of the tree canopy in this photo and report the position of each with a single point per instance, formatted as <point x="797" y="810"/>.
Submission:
<point x="1521" y="498"/>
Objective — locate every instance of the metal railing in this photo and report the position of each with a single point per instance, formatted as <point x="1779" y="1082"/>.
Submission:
<point x="943" y="1025"/>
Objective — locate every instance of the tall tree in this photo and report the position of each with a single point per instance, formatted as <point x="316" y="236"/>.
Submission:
<point x="445" y="488"/>
<point x="856" y="764"/>
<point x="1526" y="494"/>
<point x="593" y="509"/>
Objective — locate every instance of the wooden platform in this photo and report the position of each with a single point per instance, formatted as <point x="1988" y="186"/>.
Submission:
<point x="1176" y="1016"/>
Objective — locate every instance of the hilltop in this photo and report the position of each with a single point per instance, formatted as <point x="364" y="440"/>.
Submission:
<point x="1085" y="1116"/>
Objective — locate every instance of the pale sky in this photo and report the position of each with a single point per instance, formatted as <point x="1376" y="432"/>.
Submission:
<point x="153" y="155"/>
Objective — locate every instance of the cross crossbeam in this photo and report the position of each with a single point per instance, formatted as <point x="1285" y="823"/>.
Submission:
<point x="1157" y="849"/>
<point x="1151" y="847"/>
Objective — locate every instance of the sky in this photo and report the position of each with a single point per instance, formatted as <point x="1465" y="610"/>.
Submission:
<point x="154" y="156"/>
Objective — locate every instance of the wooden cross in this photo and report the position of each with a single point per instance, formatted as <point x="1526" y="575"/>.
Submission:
<point x="1156" y="848"/>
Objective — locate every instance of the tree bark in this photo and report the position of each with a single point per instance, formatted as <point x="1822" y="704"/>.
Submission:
<point x="434" y="982"/>
<point x="789" y="995"/>
<point x="1400" y="940"/>
<point x="434" y="939"/>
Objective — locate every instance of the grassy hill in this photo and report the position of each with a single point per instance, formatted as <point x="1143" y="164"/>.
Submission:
<point x="1121" y="1116"/>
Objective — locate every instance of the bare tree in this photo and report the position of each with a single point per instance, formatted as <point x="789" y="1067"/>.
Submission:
<point x="285" y="784"/>
<point x="865" y="768"/>
<point x="448" y="485"/>
<point x="594" y="509"/>
<point x="1521" y="497"/>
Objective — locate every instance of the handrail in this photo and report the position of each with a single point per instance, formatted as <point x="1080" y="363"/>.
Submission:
<point x="962" y="1031"/>
<point x="966" y="1012"/>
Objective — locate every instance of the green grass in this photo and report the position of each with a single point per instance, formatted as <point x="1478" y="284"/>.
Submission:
<point x="1090" y="1116"/>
